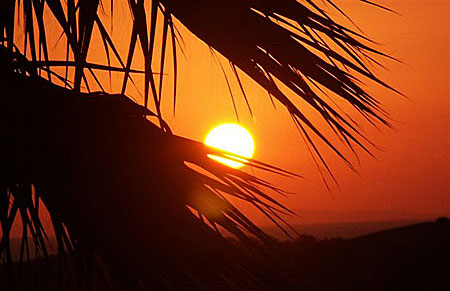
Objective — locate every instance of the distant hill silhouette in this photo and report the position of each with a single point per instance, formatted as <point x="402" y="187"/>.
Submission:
<point x="414" y="257"/>
<point x="341" y="216"/>
<point x="344" y="230"/>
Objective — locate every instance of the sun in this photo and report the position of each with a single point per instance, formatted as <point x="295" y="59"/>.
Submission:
<point x="232" y="138"/>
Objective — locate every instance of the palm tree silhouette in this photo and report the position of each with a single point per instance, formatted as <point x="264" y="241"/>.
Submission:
<point x="120" y="190"/>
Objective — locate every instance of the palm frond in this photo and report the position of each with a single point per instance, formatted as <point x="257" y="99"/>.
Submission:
<point x="113" y="169"/>
<point x="295" y="43"/>
<point x="291" y="42"/>
<point x="118" y="186"/>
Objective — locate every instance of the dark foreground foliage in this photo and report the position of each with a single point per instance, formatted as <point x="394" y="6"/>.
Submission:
<point x="119" y="185"/>
<point x="409" y="258"/>
<point x="122" y="194"/>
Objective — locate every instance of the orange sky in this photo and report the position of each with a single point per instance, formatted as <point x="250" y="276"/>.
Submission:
<point x="411" y="174"/>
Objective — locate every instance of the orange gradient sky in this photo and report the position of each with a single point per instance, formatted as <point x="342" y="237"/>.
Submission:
<point x="409" y="177"/>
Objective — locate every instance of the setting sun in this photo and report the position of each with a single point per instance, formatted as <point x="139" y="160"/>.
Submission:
<point x="232" y="138"/>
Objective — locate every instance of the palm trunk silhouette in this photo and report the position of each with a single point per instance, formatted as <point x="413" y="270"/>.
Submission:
<point x="117" y="186"/>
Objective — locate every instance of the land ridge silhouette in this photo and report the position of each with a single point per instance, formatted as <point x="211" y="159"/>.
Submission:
<point x="412" y="257"/>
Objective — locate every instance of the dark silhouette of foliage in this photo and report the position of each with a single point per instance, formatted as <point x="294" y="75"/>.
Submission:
<point x="378" y="261"/>
<point x="121" y="191"/>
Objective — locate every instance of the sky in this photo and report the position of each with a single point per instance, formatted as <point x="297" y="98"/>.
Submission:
<point x="408" y="178"/>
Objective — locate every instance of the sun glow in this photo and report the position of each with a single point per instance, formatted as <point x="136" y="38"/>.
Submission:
<point x="232" y="138"/>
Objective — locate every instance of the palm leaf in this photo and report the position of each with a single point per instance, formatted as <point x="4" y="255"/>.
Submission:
<point x="76" y="166"/>
<point x="254" y="36"/>
<point x="113" y="169"/>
